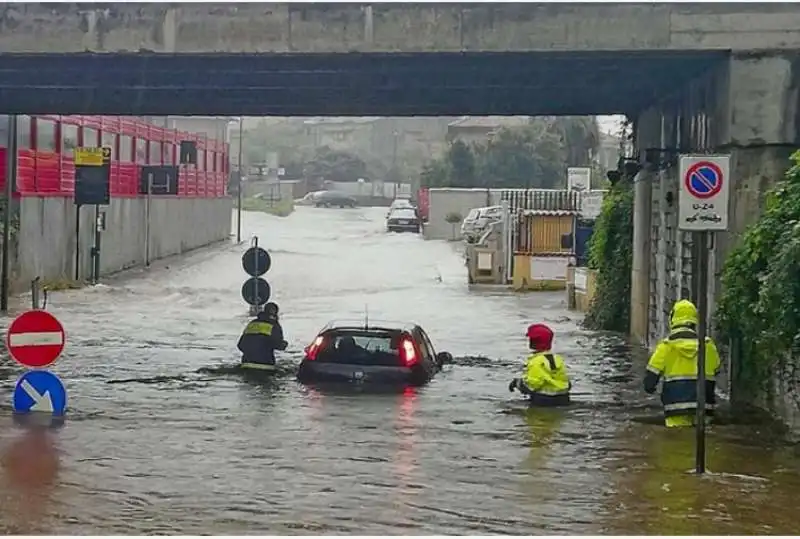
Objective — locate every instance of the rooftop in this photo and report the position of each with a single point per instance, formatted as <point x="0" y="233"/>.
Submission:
<point x="490" y="122"/>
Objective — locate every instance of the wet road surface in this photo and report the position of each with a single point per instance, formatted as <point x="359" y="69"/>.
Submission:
<point x="154" y="446"/>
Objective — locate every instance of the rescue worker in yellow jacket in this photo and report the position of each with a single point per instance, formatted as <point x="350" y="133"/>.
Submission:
<point x="261" y="337"/>
<point x="545" y="380"/>
<point x="675" y="360"/>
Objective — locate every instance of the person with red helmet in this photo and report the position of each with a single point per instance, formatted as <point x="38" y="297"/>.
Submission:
<point x="545" y="380"/>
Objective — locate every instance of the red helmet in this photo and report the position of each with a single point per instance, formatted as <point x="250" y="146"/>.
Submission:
<point x="540" y="336"/>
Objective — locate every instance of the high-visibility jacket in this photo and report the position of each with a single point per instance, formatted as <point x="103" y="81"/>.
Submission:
<point x="545" y="379"/>
<point x="259" y="341"/>
<point x="675" y="360"/>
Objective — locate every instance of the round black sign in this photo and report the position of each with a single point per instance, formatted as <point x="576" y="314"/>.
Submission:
<point x="256" y="291"/>
<point x="256" y="261"/>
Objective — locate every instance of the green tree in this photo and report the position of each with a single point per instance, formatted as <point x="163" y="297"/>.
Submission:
<point x="611" y="255"/>
<point x="434" y="174"/>
<point x="461" y="163"/>
<point x="759" y="308"/>
<point x="335" y="166"/>
<point x="533" y="156"/>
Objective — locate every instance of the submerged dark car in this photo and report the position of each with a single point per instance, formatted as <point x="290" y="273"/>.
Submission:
<point x="383" y="353"/>
<point x="329" y="199"/>
<point x="403" y="220"/>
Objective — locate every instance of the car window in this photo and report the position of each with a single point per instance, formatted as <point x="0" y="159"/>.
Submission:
<point x="424" y="345"/>
<point x="358" y="348"/>
<point x="404" y="213"/>
<point x="429" y="343"/>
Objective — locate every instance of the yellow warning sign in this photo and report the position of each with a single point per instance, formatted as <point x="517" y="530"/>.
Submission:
<point x="92" y="157"/>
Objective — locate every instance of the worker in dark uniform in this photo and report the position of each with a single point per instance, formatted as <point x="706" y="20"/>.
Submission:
<point x="545" y="380"/>
<point x="261" y="338"/>
<point x="675" y="362"/>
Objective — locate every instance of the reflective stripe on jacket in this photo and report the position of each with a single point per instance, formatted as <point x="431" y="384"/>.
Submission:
<point x="675" y="360"/>
<point x="259" y="341"/>
<point x="546" y="375"/>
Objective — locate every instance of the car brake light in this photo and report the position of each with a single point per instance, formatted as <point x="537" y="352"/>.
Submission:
<point x="409" y="352"/>
<point x="313" y="350"/>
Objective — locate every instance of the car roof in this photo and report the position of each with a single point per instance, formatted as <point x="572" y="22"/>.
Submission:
<point x="409" y="211"/>
<point x="368" y="325"/>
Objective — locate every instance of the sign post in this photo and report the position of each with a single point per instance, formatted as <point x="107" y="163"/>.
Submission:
<point x="703" y="210"/>
<point x="256" y="291"/>
<point x="35" y="339"/>
<point x="92" y="186"/>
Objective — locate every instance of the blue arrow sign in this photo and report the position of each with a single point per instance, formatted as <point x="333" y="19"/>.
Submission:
<point x="40" y="391"/>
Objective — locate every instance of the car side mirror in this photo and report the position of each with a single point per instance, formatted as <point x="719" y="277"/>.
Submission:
<point x="444" y="358"/>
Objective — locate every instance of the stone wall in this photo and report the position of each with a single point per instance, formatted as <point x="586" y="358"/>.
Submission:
<point x="47" y="238"/>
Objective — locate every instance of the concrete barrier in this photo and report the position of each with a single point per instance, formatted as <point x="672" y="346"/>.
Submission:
<point x="47" y="238"/>
<point x="584" y="281"/>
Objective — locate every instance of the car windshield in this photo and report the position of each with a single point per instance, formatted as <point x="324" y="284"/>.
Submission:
<point x="361" y="347"/>
<point x="403" y="213"/>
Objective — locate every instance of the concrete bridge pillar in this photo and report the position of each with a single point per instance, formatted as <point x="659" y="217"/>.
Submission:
<point x="647" y="135"/>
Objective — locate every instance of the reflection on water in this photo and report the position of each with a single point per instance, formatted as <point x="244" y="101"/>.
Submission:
<point x="165" y="435"/>
<point x="30" y="469"/>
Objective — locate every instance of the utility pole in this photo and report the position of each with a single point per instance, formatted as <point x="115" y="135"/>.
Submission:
<point x="394" y="164"/>
<point x="239" y="183"/>
<point x="11" y="181"/>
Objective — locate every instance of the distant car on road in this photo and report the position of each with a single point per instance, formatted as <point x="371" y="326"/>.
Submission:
<point x="372" y="353"/>
<point x="403" y="220"/>
<point x="329" y="199"/>
<point x="308" y="200"/>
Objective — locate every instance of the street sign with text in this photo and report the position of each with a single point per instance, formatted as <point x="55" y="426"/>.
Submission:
<point x="703" y="192"/>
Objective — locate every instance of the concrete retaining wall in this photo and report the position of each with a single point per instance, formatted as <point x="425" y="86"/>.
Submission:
<point x="46" y="242"/>
<point x="445" y="200"/>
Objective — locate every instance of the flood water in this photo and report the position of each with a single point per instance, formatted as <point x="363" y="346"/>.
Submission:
<point x="151" y="445"/>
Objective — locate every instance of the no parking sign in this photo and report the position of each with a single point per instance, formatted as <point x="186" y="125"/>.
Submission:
<point x="704" y="192"/>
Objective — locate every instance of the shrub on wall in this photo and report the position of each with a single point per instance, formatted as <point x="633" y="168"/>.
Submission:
<point x="611" y="255"/>
<point x="759" y="308"/>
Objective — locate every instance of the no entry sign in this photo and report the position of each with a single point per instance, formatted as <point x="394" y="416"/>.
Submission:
<point x="35" y="339"/>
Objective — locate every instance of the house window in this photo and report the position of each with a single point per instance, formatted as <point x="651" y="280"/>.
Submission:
<point x="166" y="153"/>
<point x="90" y="137"/>
<point x="45" y="135"/>
<point x="125" y="149"/>
<point x="141" y="151"/>
<point x="110" y="140"/>
<point x="23" y="132"/>
<point x="155" y="153"/>
<point x="69" y="137"/>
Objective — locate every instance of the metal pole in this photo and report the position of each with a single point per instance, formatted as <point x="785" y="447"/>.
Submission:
<point x="701" y="240"/>
<point x="239" y="183"/>
<point x="147" y="219"/>
<point x="96" y="249"/>
<point x="77" y="242"/>
<point x="35" y="294"/>
<point x="394" y="164"/>
<point x="255" y="309"/>
<point x="11" y="181"/>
